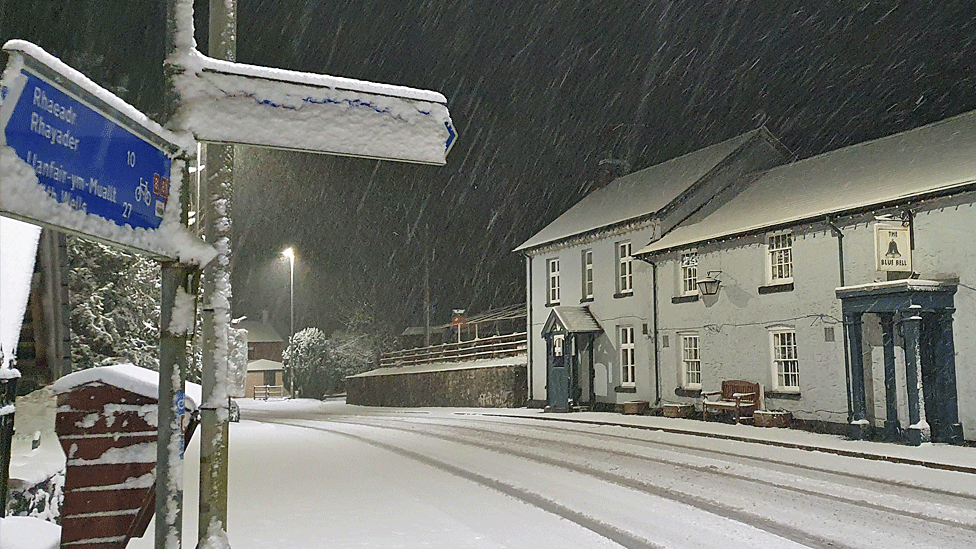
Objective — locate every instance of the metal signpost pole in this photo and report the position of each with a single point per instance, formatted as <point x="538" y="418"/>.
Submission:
<point x="169" y="442"/>
<point x="215" y="197"/>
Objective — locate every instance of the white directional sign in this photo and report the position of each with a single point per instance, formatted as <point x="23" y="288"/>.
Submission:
<point x="228" y="102"/>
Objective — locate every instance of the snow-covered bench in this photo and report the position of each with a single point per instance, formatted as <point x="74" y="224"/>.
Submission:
<point x="736" y="397"/>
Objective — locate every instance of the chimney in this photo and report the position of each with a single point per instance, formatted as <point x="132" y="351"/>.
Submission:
<point x="607" y="170"/>
<point x="264" y="316"/>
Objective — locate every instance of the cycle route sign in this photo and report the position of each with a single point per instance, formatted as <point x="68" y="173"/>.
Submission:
<point x="85" y="152"/>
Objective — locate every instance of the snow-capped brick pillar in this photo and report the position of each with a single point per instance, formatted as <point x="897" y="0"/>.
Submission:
<point x="107" y="424"/>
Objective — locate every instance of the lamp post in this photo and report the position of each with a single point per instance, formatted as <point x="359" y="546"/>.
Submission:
<point x="290" y="254"/>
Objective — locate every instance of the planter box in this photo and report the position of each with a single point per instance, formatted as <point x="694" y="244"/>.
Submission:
<point x="679" y="410"/>
<point x="636" y="407"/>
<point x="764" y="418"/>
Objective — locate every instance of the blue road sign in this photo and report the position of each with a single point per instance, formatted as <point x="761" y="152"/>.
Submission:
<point x="83" y="158"/>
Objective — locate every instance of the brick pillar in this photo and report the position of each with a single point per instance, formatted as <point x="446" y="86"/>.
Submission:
<point x="109" y="438"/>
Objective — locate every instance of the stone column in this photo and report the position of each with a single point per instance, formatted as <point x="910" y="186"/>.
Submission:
<point x="860" y="428"/>
<point x="911" y="323"/>
<point x="945" y="368"/>
<point x="891" y="424"/>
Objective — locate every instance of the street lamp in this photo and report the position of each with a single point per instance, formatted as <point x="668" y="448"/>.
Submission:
<point x="290" y="254"/>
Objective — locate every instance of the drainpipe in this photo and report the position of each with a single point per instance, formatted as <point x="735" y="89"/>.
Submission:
<point x="835" y="230"/>
<point x="654" y="332"/>
<point x="528" y="321"/>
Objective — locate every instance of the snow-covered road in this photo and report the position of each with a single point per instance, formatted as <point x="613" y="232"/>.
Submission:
<point x="331" y="475"/>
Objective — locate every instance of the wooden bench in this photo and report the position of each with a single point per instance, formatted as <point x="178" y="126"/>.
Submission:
<point x="737" y="396"/>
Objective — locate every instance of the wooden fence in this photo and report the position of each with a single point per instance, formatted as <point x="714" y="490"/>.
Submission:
<point x="264" y="392"/>
<point x="475" y="349"/>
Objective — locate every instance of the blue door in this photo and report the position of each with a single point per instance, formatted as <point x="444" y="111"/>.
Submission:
<point x="557" y="378"/>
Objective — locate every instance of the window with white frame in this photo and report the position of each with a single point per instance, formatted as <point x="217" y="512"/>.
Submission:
<point x="625" y="269"/>
<point x="786" y="364"/>
<point x="690" y="361"/>
<point x="587" y="274"/>
<point x="779" y="258"/>
<point x="552" y="267"/>
<point x="557" y="345"/>
<point x="689" y="273"/>
<point x="627" y="367"/>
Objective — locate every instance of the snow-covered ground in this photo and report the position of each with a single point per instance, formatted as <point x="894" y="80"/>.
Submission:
<point x="325" y="474"/>
<point x="309" y="474"/>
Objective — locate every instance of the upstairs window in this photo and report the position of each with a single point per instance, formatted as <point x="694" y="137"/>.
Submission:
<point x="552" y="267"/>
<point x="779" y="258"/>
<point x="625" y="269"/>
<point x="627" y="367"/>
<point x="689" y="273"/>
<point x="587" y="274"/>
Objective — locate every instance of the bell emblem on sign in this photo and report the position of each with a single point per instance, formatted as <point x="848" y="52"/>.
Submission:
<point x="893" y="249"/>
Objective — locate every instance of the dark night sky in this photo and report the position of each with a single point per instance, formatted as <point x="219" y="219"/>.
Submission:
<point x="540" y="92"/>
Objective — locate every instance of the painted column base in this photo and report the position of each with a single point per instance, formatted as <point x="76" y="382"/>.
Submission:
<point x="913" y="436"/>
<point x="954" y="434"/>
<point x="860" y="431"/>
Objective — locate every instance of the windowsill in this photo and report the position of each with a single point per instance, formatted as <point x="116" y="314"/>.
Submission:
<point x="784" y="394"/>
<point x="682" y="392"/>
<point x="556" y="304"/>
<point x="627" y="389"/>
<point x="776" y="288"/>
<point x="623" y="294"/>
<point x="586" y="300"/>
<point x="685" y="298"/>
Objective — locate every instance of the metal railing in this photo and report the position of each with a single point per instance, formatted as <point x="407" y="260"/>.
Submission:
<point x="264" y="392"/>
<point x="481" y="348"/>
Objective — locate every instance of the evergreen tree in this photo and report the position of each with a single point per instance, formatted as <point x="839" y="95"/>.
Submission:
<point x="114" y="297"/>
<point x="305" y="362"/>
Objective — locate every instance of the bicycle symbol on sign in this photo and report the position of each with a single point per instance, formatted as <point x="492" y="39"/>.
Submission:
<point x="142" y="192"/>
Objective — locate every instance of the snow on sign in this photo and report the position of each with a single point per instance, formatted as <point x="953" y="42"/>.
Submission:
<point x="84" y="148"/>
<point x="229" y="102"/>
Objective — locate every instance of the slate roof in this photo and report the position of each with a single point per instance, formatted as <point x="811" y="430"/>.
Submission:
<point x="638" y="194"/>
<point x="932" y="159"/>
<point x="573" y="319"/>
<point x="258" y="332"/>
<point x="262" y="365"/>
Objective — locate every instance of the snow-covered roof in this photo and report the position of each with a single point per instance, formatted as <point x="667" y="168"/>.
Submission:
<point x="124" y="376"/>
<point x="264" y="365"/>
<point x="18" y="247"/>
<point x="573" y="320"/>
<point x="636" y="195"/>
<point x="934" y="158"/>
<point x="259" y="332"/>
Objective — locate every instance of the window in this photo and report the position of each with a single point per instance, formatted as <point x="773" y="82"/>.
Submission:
<point x="786" y="366"/>
<point x="689" y="273"/>
<point x="627" y="368"/>
<point x="779" y="258"/>
<point x="690" y="361"/>
<point x="587" y="274"/>
<point x="553" y="269"/>
<point x="625" y="273"/>
<point x="557" y="345"/>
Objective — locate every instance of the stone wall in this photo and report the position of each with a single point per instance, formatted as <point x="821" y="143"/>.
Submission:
<point x="489" y="387"/>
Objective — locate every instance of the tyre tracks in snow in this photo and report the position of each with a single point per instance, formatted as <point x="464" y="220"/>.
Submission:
<point x="619" y="535"/>
<point x="875" y="485"/>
